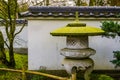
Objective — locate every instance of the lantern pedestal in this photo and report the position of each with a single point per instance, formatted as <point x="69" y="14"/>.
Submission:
<point x="69" y="64"/>
<point x="77" y="56"/>
<point x="85" y="65"/>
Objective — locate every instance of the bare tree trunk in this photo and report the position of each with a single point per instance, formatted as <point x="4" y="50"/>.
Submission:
<point x="2" y="50"/>
<point x="11" y="55"/>
<point x="47" y="2"/>
<point x="78" y="2"/>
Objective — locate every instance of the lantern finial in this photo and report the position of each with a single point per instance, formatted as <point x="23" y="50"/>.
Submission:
<point x="76" y="16"/>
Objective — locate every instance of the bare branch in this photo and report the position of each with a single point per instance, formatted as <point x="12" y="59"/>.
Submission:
<point x="20" y="30"/>
<point x="6" y="44"/>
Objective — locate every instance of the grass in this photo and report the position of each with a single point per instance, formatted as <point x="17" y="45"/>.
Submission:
<point x="20" y="59"/>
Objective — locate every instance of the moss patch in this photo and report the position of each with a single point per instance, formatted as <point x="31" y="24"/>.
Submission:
<point x="77" y="31"/>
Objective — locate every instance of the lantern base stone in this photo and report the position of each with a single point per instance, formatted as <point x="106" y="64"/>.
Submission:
<point x="85" y="65"/>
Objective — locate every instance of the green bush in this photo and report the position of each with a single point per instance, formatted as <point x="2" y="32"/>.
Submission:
<point x="111" y="28"/>
<point x="105" y="77"/>
<point x="116" y="60"/>
<point x="38" y="77"/>
<point x="100" y="77"/>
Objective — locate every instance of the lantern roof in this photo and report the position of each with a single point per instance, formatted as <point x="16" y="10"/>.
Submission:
<point x="77" y="29"/>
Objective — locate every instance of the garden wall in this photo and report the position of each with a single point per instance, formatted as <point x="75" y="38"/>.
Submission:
<point x="43" y="49"/>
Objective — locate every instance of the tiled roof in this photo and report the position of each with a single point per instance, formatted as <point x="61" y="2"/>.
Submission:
<point x="18" y="21"/>
<point x="87" y="11"/>
<point x="22" y="21"/>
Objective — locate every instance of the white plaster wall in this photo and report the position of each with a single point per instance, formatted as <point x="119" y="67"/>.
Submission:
<point x="43" y="49"/>
<point x="21" y="39"/>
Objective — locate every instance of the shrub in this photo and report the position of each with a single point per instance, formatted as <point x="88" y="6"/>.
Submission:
<point x="105" y="77"/>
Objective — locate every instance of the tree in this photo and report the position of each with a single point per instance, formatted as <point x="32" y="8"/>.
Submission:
<point x="8" y="14"/>
<point x="24" y="5"/>
<point x="115" y="2"/>
<point x="112" y="29"/>
<point x="80" y="2"/>
<point x="99" y="2"/>
<point x="91" y="2"/>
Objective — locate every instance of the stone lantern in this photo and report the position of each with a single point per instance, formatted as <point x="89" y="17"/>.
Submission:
<point x="77" y="49"/>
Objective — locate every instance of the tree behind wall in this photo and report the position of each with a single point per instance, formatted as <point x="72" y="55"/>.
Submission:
<point x="91" y="2"/>
<point x="8" y="16"/>
<point x="115" y="2"/>
<point x="99" y="2"/>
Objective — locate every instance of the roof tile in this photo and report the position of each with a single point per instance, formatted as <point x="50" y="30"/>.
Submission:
<point x="84" y="11"/>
